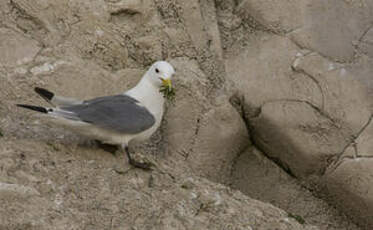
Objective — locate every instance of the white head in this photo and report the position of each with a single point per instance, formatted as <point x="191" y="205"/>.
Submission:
<point x="160" y="73"/>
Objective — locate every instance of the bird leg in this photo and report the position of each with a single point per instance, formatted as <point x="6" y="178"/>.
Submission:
<point x="133" y="162"/>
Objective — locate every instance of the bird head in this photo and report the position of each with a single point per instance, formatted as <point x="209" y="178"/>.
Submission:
<point x="160" y="74"/>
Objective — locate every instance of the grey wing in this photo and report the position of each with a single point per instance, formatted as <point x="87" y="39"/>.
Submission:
<point x="119" y="113"/>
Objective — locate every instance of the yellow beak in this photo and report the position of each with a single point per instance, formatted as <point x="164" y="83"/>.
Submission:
<point x="167" y="83"/>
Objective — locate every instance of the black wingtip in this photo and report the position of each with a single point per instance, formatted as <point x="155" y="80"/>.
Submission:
<point x="35" y="108"/>
<point x="44" y="93"/>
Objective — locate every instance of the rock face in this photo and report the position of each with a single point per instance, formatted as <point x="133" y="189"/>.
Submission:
<point x="258" y="177"/>
<point x="16" y="49"/>
<point x="48" y="186"/>
<point x="208" y="134"/>
<point x="291" y="79"/>
<point x="305" y="83"/>
<point x="332" y="27"/>
<point x="349" y="177"/>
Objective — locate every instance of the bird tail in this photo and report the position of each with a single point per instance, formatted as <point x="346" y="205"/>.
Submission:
<point x="54" y="112"/>
<point x="35" y="108"/>
<point x="44" y="93"/>
<point x="56" y="100"/>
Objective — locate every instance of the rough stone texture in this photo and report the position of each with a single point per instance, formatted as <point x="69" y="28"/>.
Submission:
<point x="296" y="115"/>
<point x="305" y="111"/>
<point x="303" y="80"/>
<point x="349" y="176"/>
<point x="51" y="186"/>
<point x="279" y="16"/>
<point x="268" y="75"/>
<point x="349" y="183"/>
<point x="221" y="136"/>
<point x="16" y="49"/>
<point x="344" y="96"/>
<point x="361" y="70"/>
<point x="293" y="132"/>
<point x="258" y="177"/>
<point x="332" y="27"/>
<point x="363" y="142"/>
<point x="211" y="134"/>
<point x="53" y="179"/>
<point x="366" y="45"/>
<point x="329" y="27"/>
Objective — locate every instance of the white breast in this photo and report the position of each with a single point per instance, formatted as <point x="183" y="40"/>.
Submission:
<point x="148" y="96"/>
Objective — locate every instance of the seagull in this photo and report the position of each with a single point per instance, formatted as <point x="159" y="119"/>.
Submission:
<point x="118" y="119"/>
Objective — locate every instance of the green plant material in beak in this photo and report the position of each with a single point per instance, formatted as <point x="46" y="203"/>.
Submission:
<point x="167" y="90"/>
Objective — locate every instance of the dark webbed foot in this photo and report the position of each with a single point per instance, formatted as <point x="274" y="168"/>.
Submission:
<point x="137" y="163"/>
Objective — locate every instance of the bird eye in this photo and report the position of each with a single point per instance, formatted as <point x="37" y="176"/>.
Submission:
<point x="157" y="70"/>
